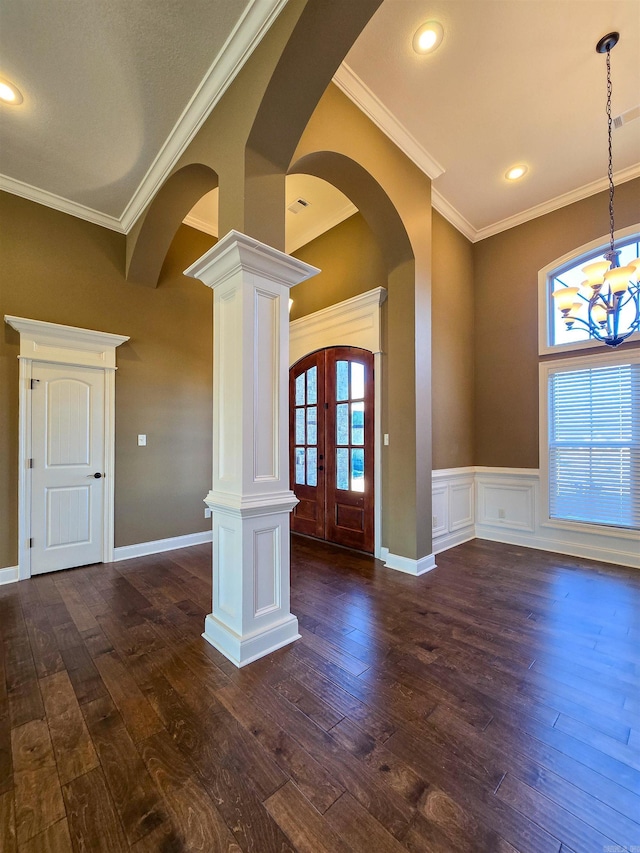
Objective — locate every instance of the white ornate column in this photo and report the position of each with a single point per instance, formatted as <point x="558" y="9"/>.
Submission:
<point x="250" y="499"/>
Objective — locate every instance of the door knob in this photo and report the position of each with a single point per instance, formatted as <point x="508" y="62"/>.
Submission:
<point x="97" y="475"/>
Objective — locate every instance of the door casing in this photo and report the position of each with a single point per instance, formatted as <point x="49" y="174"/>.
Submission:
<point x="57" y="344"/>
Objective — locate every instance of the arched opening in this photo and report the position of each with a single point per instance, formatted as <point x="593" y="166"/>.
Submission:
<point x="149" y="242"/>
<point x="405" y="458"/>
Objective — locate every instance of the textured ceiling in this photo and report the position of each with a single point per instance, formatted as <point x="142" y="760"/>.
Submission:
<point x="107" y="81"/>
<point x="104" y="83"/>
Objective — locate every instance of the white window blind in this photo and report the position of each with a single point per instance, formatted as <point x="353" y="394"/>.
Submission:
<point x="594" y="445"/>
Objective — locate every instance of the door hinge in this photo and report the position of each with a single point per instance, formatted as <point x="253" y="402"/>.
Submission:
<point x="33" y="383"/>
<point x="30" y="543"/>
<point x="326" y="405"/>
<point x="30" y="463"/>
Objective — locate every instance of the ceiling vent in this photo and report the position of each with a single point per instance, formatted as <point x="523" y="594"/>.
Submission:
<point x="298" y="205"/>
<point x="625" y="118"/>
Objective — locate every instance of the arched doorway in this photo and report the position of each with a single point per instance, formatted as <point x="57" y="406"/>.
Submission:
<point x="331" y="393"/>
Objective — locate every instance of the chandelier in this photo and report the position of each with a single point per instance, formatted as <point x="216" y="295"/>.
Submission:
<point x="608" y="302"/>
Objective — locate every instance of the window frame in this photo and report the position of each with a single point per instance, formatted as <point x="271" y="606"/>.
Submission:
<point x="626" y="355"/>
<point x="576" y="257"/>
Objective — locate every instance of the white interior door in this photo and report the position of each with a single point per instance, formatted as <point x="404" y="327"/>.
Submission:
<point x="67" y="477"/>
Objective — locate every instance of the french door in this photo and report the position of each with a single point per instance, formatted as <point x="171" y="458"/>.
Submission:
<point x="331" y="440"/>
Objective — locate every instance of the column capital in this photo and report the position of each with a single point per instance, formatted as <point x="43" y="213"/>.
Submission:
<point x="236" y="252"/>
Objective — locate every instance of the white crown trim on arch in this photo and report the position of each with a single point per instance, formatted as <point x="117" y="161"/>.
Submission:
<point x="352" y="323"/>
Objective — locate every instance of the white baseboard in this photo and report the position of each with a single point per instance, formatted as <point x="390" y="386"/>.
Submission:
<point x="450" y="540"/>
<point x="406" y="564"/>
<point x="9" y="575"/>
<point x="143" y="549"/>
<point x="562" y="546"/>
<point x="504" y="505"/>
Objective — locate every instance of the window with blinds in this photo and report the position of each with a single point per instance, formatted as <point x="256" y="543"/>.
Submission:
<point x="594" y="444"/>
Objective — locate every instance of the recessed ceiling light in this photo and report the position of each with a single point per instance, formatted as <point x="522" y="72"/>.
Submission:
<point x="10" y="94"/>
<point x="428" y="37"/>
<point x="516" y="172"/>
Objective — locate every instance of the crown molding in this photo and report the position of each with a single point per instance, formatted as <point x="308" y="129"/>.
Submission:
<point x="556" y="203"/>
<point x="200" y="225"/>
<point x="238" y="47"/>
<point x="439" y="203"/>
<point x="64" y="205"/>
<point x="244" y="38"/>
<point x="353" y="87"/>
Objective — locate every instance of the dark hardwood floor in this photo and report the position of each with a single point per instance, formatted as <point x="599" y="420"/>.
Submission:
<point x="491" y="705"/>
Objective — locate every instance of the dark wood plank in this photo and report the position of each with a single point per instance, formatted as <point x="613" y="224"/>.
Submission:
<point x="8" y="840"/>
<point x="352" y="822"/>
<point x="309" y="776"/>
<point x="72" y="744"/>
<point x="54" y="839"/>
<point x="93" y="821"/>
<point x="135" y="796"/>
<point x="83" y="674"/>
<point x="138" y="715"/>
<point x="307" y="830"/>
<point x="38" y="798"/>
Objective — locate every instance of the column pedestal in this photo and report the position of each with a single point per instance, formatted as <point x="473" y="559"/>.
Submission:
<point x="250" y="500"/>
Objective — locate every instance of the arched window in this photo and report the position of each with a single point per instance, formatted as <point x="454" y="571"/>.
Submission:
<point x="589" y="410"/>
<point x="554" y="336"/>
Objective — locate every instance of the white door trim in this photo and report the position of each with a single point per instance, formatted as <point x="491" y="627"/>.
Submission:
<point x="56" y="344"/>
<point x="352" y="323"/>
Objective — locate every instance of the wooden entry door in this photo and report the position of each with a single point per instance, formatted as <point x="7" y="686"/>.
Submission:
<point x="331" y="440"/>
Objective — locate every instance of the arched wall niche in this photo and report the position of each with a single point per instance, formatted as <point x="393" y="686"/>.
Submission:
<point x="150" y="242"/>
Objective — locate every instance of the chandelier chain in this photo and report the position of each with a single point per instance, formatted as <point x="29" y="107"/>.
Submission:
<point x="610" y="171"/>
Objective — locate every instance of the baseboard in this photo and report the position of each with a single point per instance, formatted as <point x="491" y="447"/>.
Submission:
<point x="505" y="505"/>
<point x="9" y="575"/>
<point x="406" y="564"/>
<point x="561" y="546"/>
<point x="450" y="540"/>
<point x="143" y="549"/>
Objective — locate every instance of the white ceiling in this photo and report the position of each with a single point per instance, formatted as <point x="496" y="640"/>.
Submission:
<point x="513" y="81"/>
<point x="115" y="89"/>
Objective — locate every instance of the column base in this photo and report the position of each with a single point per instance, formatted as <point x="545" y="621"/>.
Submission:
<point x="241" y="650"/>
<point x="406" y="564"/>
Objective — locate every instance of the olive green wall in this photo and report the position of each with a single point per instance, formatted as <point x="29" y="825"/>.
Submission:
<point x="63" y="270"/>
<point x="350" y="263"/>
<point x="452" y="345"/>
<point x="506" y="319"/>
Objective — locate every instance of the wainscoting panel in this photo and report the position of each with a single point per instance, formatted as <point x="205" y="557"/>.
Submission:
<point x="504" y="505"/>
<point x="453" y="507"/>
